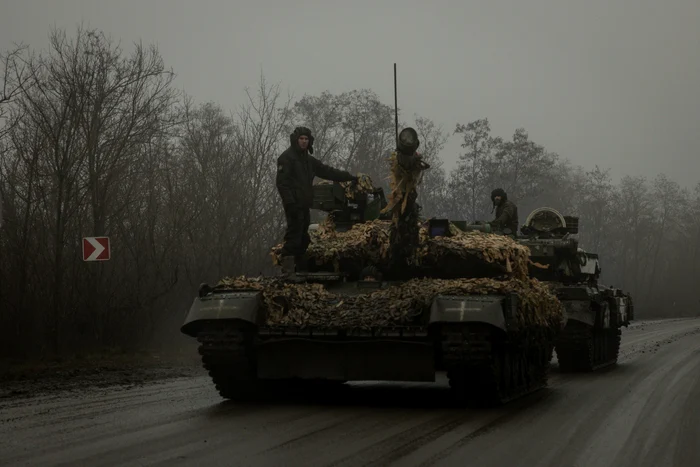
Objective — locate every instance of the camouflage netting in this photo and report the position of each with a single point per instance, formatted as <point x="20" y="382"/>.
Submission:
<point x="364" y="242"/>
<point x="363" y="185"/>
<point x="404" y="232"/>
<point x="403" y="184"/>
<point x="512" y="257"/>
<point x="369" y="243"/>
<point x="311" y="305"/>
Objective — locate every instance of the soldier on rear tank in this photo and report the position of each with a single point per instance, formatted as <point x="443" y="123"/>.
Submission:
<point x="296" y="169"/>
<point x="506" y="212"/>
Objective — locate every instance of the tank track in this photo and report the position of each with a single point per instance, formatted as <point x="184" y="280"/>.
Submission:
<point x="582" y="348"/>
<point x="485" y="370"/>
<point x="228" y="354"/>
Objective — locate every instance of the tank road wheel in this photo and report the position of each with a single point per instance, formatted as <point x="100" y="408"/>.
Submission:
<point x="485" y="370"/>
<point x="581" y="348"/>
<point x="228" y="354"/>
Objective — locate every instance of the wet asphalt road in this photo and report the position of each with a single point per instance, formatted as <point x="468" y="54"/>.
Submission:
<point x="644" y="412"/>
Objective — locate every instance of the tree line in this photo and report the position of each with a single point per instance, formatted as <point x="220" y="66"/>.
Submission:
<point x="97" y="141"/>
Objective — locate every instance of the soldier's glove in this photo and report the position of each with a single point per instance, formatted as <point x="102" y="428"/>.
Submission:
<point x="364" y="182"/>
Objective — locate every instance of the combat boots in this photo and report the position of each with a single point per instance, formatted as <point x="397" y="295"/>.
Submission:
<point x="288" y="265"/>
<point x="289" y="269"/>
<point x="302" y="263"/>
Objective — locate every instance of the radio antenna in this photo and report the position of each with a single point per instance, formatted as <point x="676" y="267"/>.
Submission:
<point x="396" y="108"/>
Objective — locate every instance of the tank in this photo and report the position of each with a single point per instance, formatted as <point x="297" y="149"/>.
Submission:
<point x="416" y="298"/>
<point x="594" y="313"/>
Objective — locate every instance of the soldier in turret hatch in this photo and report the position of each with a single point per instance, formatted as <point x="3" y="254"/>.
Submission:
<point x="506" y="212"/>
<point x="296" y="169"/>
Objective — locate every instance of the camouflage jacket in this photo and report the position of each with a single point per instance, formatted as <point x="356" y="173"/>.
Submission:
<point x="506" y="217"/>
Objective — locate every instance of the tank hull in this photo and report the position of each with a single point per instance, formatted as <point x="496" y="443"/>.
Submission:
<point x="475" y="340"/>
<point x="591" y="337"/>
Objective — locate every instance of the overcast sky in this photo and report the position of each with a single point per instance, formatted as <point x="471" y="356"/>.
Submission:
<point x="608" y="82"/>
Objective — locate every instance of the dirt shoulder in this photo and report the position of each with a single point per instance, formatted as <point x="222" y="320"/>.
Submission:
<point x="80" y="373"/>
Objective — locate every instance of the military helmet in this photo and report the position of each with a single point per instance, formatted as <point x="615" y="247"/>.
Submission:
<point x="499" y="192"/>
<point x="408" y="141"/>
<point x="302" y="131"/>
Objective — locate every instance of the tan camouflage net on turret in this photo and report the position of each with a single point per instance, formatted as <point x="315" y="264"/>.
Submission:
<point x="370" y="242"/>
<point x="402" y="182"/>
<point x="307" y="305"/>
<point x="472" y="246"/>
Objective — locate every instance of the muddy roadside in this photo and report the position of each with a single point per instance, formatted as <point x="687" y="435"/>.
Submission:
<point x="24" y="379"/>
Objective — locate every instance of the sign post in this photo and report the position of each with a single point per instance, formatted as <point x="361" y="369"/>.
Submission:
<point x="96" y="249"/>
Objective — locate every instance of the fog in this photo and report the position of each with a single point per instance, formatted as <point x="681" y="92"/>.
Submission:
<point x="612" y="83"/>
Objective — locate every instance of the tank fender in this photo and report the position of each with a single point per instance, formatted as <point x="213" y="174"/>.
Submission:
<point x="579" y="310"/>
<point x="217" y="306"/>
<point x="487" y="309"/>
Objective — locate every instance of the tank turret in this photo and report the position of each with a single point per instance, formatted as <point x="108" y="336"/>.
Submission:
<point x="555" y="253"/>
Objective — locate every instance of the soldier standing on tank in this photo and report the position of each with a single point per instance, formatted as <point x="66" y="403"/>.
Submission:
<point x="506" y="212"/>
<point x="296" y="169"/>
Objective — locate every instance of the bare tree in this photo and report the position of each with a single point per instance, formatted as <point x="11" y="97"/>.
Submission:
<point x="261" y="136"/>
<point x="88" y="113"/>
<point x="231" y="164"/>
<point x="13" y="79"/>
<point x="635" y="221"/>
<point x="353" y="131"/>
<point x="470" y="180"/>
<point x="669" y="198"/>
<point x="432" y="192"/>
<point x="521" y="166"/>
<point x="50" y="110"/>
<point x="597" y="205"/>
<point x="694" y="235"/>
<point x="96" y="141"/>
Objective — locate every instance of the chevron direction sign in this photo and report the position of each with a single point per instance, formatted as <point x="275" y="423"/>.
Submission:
<point x="96" y="249"/>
